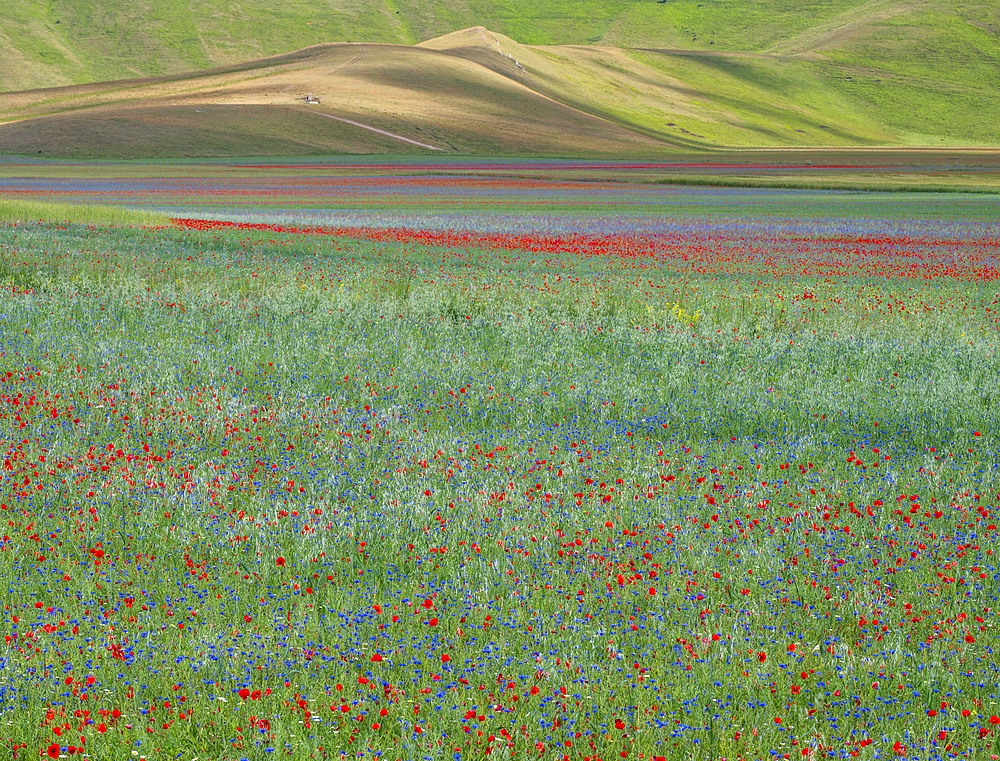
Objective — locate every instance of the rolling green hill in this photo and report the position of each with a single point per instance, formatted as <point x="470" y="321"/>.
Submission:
<point x="597" y="76"/>
<point x="54" y="42"/>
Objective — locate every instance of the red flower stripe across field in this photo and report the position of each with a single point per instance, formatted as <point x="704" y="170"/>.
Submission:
<point x="725" y="254"/>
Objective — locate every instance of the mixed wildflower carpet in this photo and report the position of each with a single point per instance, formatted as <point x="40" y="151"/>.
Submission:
<point x="709" y="488"/>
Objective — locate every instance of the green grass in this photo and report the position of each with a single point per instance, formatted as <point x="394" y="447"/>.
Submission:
<point x="866" y="185"/>
<point x="19" y="212"/>
<point x="768" y="102"/>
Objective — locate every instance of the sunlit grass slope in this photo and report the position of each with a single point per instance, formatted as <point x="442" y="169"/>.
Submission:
<point x="48" y="43"/>
<point x="689" y="100"/>
<point x="470" y="92"/>
<point x="716" y="72"/>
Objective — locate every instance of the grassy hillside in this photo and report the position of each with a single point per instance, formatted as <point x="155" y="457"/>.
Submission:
<point x="52" y="42"/>
<point x="626" y="77"/>
<point x="470" y="92"/>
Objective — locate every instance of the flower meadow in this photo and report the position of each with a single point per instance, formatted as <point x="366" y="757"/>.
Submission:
<point x="712" y="489"/>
